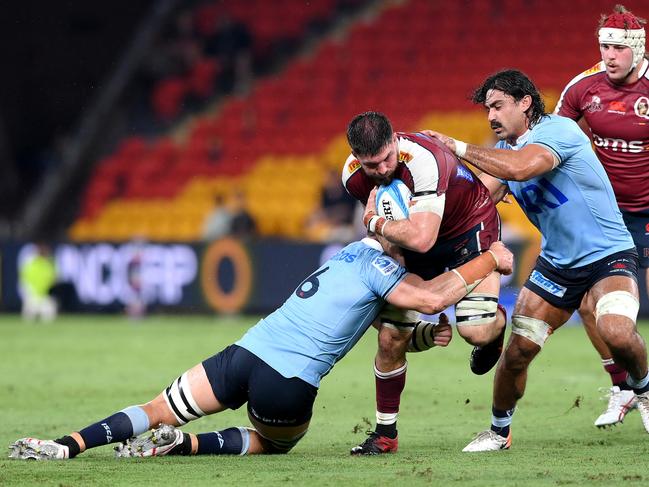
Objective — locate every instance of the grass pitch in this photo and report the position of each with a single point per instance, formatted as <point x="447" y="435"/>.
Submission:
<point x="58" y="378"/>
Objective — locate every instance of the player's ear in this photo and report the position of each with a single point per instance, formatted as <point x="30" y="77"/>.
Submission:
<point x="526" y="102"/>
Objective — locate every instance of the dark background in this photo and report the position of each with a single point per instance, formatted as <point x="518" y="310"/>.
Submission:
<point x="51" y="71"/>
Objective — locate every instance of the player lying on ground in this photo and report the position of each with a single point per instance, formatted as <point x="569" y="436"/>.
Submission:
<point x="277" y="366"/>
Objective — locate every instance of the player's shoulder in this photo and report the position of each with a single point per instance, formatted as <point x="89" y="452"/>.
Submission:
<point x="555" y="122"/>
<point x="591" y="75"/>
<point x="354" y="179"/>
<point x="350" y="167"/>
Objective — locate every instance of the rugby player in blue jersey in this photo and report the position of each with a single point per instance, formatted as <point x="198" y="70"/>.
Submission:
<point x="587" y="255"/>
<point x="277" y="365"/>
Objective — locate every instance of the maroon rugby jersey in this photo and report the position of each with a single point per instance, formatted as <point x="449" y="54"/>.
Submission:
<point x="428" y="167"/>
<point x="618" y="117"/>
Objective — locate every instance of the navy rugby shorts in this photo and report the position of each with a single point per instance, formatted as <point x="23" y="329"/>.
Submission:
<point x="638" y="224"/>
<point x="565" y="288"/>
<point x="238" y="376"/>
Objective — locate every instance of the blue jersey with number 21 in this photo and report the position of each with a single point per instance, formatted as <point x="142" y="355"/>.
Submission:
<point x="573" y="206"/>
<point x="327" y="314"/>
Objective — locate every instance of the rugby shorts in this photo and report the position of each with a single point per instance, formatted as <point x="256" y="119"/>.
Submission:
<point x="565" y="288"/>
<point x="238" y="376"/>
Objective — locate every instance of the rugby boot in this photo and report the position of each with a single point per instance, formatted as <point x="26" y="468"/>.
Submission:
<point x="35" y="449"/>
<point x="376" y="444"/>
<point x="620" y="402"/>
<point x="643" y="408"/>
<point x="163" y="440"/>
<point x="489" y="441"/>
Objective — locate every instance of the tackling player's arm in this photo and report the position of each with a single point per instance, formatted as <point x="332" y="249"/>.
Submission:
<point x="418" y="232"/>
<point x="433" y="296"/>
<point x="521" y="165"/>
<point x="496" y="188"/>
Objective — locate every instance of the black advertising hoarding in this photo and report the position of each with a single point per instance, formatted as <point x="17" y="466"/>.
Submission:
<point x="225" y="276"/>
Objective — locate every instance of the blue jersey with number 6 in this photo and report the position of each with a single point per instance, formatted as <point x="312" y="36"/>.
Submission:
<point x="327" y="314"/>
<point x="573" y="206"/>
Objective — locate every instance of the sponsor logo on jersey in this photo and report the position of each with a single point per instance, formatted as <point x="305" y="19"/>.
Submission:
<point x="618" y="145"/>
<point x="641" y="107"/>
<point x="545" y="283"/>
<point x="617" y="106"/>
<point x="595" y="105"/>
<point x="595" y="69"/>
<point x="353" y="165"/>
<point x="385" y="265"/>
<point x="464" y="173"/>
<point x="405" y="157"/>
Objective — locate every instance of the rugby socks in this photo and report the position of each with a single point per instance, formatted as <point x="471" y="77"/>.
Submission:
<point x="389" y="386"/>
<point x="73" y="446"/>
<point x="639" y="386"/>
<point x="501" y="420"/>
<point x="128" y="422"/>
<point x="617" y="373"/>
<point x="231" y="441"/>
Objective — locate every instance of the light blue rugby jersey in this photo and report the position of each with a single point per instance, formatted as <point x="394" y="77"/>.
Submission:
<point x="573" y="206"/>
<point x="327" y="314"/>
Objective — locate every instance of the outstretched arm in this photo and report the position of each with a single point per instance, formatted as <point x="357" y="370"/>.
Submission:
<point x="433" y="296"/>
<point x="521" y="165"/>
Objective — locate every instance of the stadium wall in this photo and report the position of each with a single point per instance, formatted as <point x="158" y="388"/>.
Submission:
<point x="225" y="276"/>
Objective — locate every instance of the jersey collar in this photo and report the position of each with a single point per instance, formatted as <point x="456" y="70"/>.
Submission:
<point x="521" y="141"/>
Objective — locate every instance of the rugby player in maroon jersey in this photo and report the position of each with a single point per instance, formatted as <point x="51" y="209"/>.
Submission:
<point x="452" y="219"/>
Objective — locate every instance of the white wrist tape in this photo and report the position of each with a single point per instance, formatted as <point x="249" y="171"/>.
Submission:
<point x="371" y="225"/>
<point x="460" y="148"/>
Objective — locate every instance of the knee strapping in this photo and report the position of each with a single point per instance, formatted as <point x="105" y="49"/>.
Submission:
<point x="535" y="330"/>
<point x="180" y="400"/>
<point x="476" y="309"/>
<point x="618" y="303"/>
<point x="397" y="318"/>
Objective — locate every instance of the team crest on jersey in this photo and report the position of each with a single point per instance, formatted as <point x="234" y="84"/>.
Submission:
<point x="641" y="107"/>
<point x="595" y="105"/>
<point x="385" y="265"/>
<point x="353" y="165"/>
<point x="405" y="157"/>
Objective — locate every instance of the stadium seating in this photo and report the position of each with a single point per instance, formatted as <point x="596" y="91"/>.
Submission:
<point x="416" y="60"/>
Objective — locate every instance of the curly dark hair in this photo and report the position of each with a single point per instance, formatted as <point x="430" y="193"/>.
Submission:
<point x="368" y="133"/>
<point x="517" y="85"/>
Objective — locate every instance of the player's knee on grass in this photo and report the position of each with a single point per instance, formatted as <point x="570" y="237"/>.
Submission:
<point x="280" y="446"/>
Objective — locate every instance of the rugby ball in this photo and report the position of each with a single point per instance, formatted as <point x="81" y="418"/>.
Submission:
<point x="393" y="200"/>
